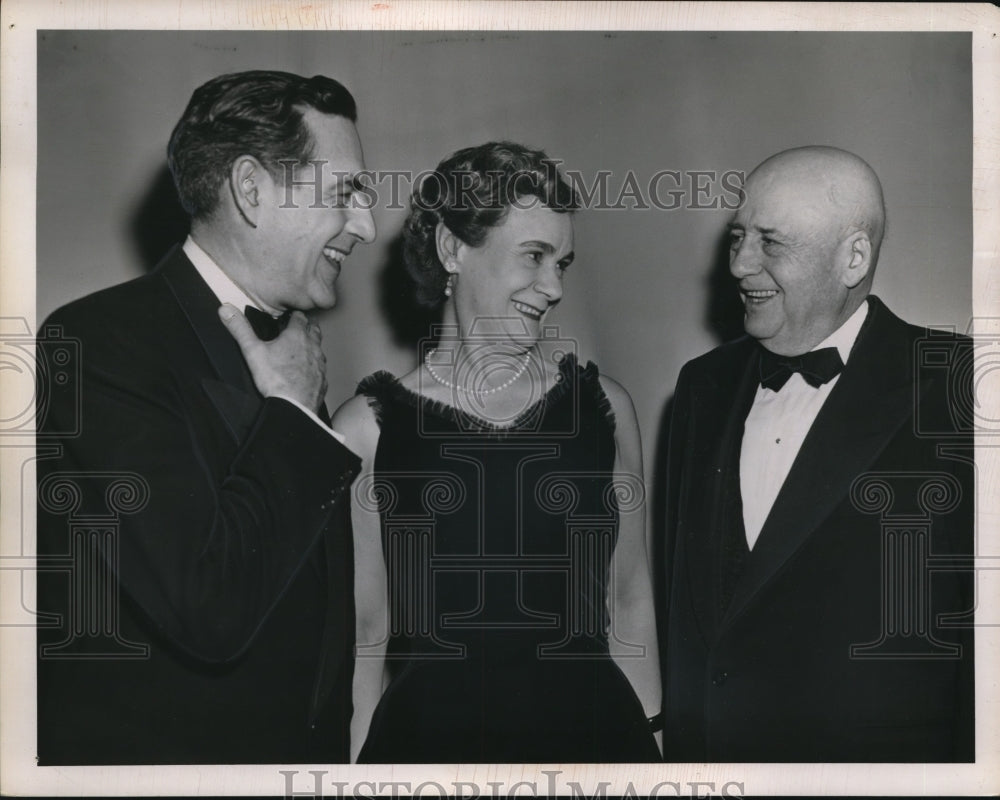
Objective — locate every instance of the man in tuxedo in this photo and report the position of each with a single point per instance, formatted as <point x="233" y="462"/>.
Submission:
<point x="820" y="501"/>
<point x="195" y="588"/>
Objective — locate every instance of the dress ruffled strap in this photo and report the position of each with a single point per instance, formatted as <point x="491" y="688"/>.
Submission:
<point x="378" y="388"/>
<point x="382" y="387"/>
<point x="590" y="377"/>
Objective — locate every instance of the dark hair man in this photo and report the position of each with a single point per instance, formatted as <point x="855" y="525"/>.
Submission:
<point x="209" y="617"/>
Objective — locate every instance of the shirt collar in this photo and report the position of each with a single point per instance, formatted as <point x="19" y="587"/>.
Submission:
<point x="223" y="287"/>
<point x="844" y="337"/>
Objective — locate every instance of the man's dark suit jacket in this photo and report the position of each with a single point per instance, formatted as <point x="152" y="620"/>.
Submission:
<point x="214" y="619"/>
<point x="770" y="675"/>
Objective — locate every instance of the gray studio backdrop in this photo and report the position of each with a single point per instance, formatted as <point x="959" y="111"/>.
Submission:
<point x="648" y="290"/>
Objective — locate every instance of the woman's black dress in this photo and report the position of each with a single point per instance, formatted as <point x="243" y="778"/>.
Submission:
<point x="497" y="544"/>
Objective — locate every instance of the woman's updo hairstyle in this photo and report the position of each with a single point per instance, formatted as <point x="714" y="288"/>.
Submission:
<point x="471" y="191"/>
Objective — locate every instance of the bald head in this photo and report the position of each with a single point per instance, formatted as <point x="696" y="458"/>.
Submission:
<point x="842" y="184"/>
<point x="804" y="245"/>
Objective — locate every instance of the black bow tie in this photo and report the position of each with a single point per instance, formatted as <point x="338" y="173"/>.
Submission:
<point x="264" y="325"/>
<point x="816" y="367"/>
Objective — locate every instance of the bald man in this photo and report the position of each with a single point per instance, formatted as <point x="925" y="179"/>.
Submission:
<point x="803" y="621"/>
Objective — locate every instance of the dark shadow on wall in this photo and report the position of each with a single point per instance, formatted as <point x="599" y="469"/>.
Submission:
<point x="724" y="318"/>
<point x="662" y="552"/>
<point x="408" y="321"/>
<point x="724" y="313"/>
<point x="159" y="221"/>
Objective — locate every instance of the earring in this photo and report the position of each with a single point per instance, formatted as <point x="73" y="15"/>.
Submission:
<point x="449" y="284"/>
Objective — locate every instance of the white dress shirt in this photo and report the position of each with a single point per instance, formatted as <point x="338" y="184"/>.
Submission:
<point x="226" y="291"/>
<point x="776" y="427"/>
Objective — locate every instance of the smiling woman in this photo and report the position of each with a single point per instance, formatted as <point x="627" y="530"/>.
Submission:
<point x="488" y="240"/>
<point x="500" y="626"/>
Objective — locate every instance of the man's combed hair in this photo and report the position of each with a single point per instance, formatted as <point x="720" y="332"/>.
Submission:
<point x="257" y="113"/>
<point x="471" y="192"/>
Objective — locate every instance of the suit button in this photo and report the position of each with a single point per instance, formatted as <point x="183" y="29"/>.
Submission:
<point x="719" y="678"/>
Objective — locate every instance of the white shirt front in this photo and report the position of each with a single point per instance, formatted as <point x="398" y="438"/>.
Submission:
<point x="776" y="427"/>
<point x="227" y="291"/>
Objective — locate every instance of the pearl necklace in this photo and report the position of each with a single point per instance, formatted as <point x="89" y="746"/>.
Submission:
<point x="445" y="382"/>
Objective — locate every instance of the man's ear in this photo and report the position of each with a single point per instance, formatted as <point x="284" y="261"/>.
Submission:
<point x="245" y="186"/>
<point x="857" y="258"/>
<point x="449" y="247"/>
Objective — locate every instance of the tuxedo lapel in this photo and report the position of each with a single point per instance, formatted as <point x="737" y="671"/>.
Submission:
<point x="719" y="408"/>
<point x="233" y="394"/>
<point x="872" y="399"/>
<point x="238" y="408"/>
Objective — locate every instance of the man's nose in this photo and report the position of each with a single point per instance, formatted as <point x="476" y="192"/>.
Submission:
<point x="743" y="260"/>
<point x="362" y="224"/>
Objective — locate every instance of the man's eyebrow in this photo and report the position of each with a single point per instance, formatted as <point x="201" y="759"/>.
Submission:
<point x="736" y="226"/>
<point x="343" y="183"/>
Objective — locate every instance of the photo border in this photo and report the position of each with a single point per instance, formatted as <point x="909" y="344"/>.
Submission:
<point x="21" y="19"/>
